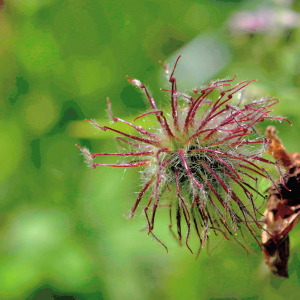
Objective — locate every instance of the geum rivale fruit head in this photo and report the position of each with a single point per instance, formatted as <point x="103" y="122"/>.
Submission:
<point x="206" y="152"/>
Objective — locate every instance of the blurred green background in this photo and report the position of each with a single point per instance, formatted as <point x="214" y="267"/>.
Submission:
<point x="62" y="233"/>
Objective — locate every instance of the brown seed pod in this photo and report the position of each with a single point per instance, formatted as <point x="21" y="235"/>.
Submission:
<point x="283" y="207"/>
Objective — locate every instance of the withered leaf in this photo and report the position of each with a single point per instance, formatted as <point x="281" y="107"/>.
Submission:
<point x="283" y="207"/>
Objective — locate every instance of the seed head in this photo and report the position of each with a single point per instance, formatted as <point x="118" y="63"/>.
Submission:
<point x="206" y="153"/>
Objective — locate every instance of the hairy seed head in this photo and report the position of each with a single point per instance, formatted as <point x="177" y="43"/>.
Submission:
<point x="206" y="152"/>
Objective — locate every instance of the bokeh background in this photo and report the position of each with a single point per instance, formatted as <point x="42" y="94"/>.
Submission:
<point x="62" y="230"/>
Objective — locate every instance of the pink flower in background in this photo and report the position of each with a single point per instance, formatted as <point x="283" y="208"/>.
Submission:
<point x="206" y="153"/>
<point x="264" y="19"/>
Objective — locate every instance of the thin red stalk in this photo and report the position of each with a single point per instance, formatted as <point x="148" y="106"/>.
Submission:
<point x="232" y="216"/>
<point x="226" y="204"/>
<point x="247" y="82"/>
<point x="184" y="210"/>
<point x="155" y="205"/>
<point x="188" y="119"/>
<point x="230" y="119"/>
<point x="124" y="154"/>
<point x="281" y="177"/>
<point x="168" y="187"/>
<point x="223" y="123"/>
<point x="146" y="209"/>
<point x="246" y="191"/>
<point x="240" y="171"/>
<point x="259" y="109"/>
<point x="174" y="103"/>
<point x="232" y="130"/>
<point x="182" y="203"/>
<point x="222" y="184"/>
<point x="156" y="201"/>
<point x="228" y="230"/>
<point x="159" y="241"/>
<point x="204" y="200"/>
<point x="204" y="122"/>
<point x="245" y="240"/>
<point x="196" y="201"/>
<point x="202" y="212"/>
<point x="196" y="227"/>
<point x="211" y="222"/>
<point x="193" y="109"/>
<point x="199" y="101"/>
<point x="148" y="220"/>
<point x="161" y="150"/>
<point x="194" y="94"/>
<point x="178" y="221"/>
<point x="165" y="125"/>
<point x="190" y="99"/>
<point x="196" y="104"/>
<point x="226" y="154"/>
<point x="152" y="102"/>
<point x="139" y="129"/>
<point x="256" y="191"/>
<point x="250" y="229"/>
<point x="243" y="208"/>
<point x="217" y="105"/>
<point x="215" y="193"/>
<point x="159" y="173"/>
<point x="129" y="165"/>
<point x="217" y="209"/>
<point x="264" y="101"/>
<point x="247" y="142"/>
<point x="155" y="190"/>
<point x="104" y="128"/>
<point x="259" y="158"/>
<point x="255" y="121"/>
<point x="150" y="99"/>
<point x="206" y="130"/>
<point x="226" y="80"/>
<point x="227" y="165"/>
<point x="253" y="170"/>
<point x="278" y="118"/>
<point x="205" y="234"/>
<point x="204" y="218"/>
<point x="130" y="143"/>
<point x="215" y="175"/>
<point x="222" y="94"/>
<point x="238" y="111"/>
<point x="186" y="166"/>
<point x="224" y="233"/>
<point x="231" y="137"/>
<point x="139" y="198"/>
<point x="171" y="225"/>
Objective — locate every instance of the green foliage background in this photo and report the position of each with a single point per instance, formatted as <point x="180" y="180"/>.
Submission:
<point x="62" y="232"/>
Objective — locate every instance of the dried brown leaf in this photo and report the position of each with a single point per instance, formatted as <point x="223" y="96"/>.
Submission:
<point x="283" y="207"/>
